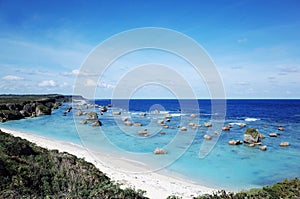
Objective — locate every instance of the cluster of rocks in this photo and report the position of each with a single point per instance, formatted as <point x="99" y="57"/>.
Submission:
<point x="25" y="109"/>
<point x="252" y="137"/>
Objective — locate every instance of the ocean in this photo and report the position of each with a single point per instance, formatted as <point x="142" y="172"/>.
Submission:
<point x="223" y="166"/>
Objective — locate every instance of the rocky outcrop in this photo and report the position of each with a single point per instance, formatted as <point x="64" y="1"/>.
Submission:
<point x="207" y="137"/>
<point x="15" y="107"/>
<point x="83" y="122"/>
<point x="168" y="116"/>
<point x="158" y="151"/>
<point x="251" y="135"/>
<point x="234" y="142"/>
<point x="143" y="132"/>
<point x="263" y="148"/>
<point x="143" y="114"/>
<point x="42" y="109"/>
<point x="91" y="116"/>
<point x="128" y="123"/>
<point x="273" y="134"/>
<point x="183" y="128"/>
<point x="116" y="113"/>
<point x="160" y="122"/>
<point x="283" y="144"/>
<point x="225" y="128"/>
<point x="208" y="124"/>
<point x="103" y="109"/>
<point x="96" y="123"/>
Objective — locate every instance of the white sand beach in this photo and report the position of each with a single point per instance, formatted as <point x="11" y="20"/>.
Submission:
<point x="157" y="185"/>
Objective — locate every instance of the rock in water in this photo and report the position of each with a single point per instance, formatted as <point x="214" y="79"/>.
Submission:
<point x="208" y="124"/>
<point x="159" y="151"/>
<point x="96" y="123"/>
<point x="234" y="142"/>
<point x="263" y="148"/>
<point x="251" y="135"/>
<point x="83" y="122"/>
<point x="91" y="116"/>
<point x="273" y="134"/>
<point x="207" y="137"/>
<point x="143" y="114"/>
<point x="103" y="109"/>
<point x="284" y="144"/>
<point x="116" y="113"/>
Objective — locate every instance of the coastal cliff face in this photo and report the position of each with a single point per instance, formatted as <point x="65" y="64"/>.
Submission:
<point x="15" y="107"/>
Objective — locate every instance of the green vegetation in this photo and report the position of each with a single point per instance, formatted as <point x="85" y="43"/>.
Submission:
<point x="24" y="98"/>
<point x="284" y="189"/>
<point x="29" y="171"/>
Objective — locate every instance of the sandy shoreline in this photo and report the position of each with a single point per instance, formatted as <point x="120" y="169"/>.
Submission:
<point x="157" y="185"/>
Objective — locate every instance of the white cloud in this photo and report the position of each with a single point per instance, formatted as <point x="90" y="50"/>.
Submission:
<point x="76" y="72"/>
<point x="106" y="85"/>
<point x="47" y="83"/>
<point x="90" y="82"/>
<point x="12" y="78"/>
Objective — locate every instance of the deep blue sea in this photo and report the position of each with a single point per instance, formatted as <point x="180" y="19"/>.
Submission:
<point x="222" y="166"/>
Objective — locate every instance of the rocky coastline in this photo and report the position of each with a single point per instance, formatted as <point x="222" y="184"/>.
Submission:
<point x="15" y="107"/>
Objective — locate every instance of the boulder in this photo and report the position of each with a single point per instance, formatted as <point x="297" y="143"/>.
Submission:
<point x="284" y="144"/>
<point x="168" y="116"/>
<point x="183" y="128"/>
<point x="166" y="126"/>
<point x="116" y="113"/>
<point x="280" y="128"/>
<point x="158" y="151"/>
<point x="79" y="113"/>
<point x="103" y="109"/>
<point x="263" y="148"/>
<point x="143" y="114"/>
<point x="168" y="120"/>
<point x="96" y="123"/>
<point x="124" y="119"/>
<point x="160" y="122"/>
<point x="262" y="136"/>
<point x="208" y="124"/>
<point x="137" y="124"/>
<point x="207" y="137"/>
<point x="251" y="135"/>
<point x="242" y="125"/>
<point x="109" y="105"/>
<point x="68" y="109"/>
<point x="234" y="142"/>
<point x="163" y="133"/>
<point x="128" y="123"/>
<point x="192" y="115"/>
<point x="273" y="134"/>
<point x="192" y="124"/>
<point x="143" y="132"/>
<point x="91" y="116"/>
<point x="225" y="128"/>
<point x="83" y="122"/>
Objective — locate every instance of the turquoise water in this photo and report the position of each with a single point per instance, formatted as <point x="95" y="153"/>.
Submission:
<point x="229" y="167"/>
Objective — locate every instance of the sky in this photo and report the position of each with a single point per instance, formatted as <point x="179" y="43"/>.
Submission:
<point x="254" y="44"/>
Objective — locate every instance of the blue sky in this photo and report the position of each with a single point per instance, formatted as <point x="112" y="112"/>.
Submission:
<point x="255" y="44"/>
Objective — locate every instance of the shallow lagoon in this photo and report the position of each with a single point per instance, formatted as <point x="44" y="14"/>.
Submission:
<point x="229" y="167"/>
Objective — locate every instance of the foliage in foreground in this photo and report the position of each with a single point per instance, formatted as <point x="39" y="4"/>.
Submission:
<point x="29" y="171"/>
<point x="284" y="189"/>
